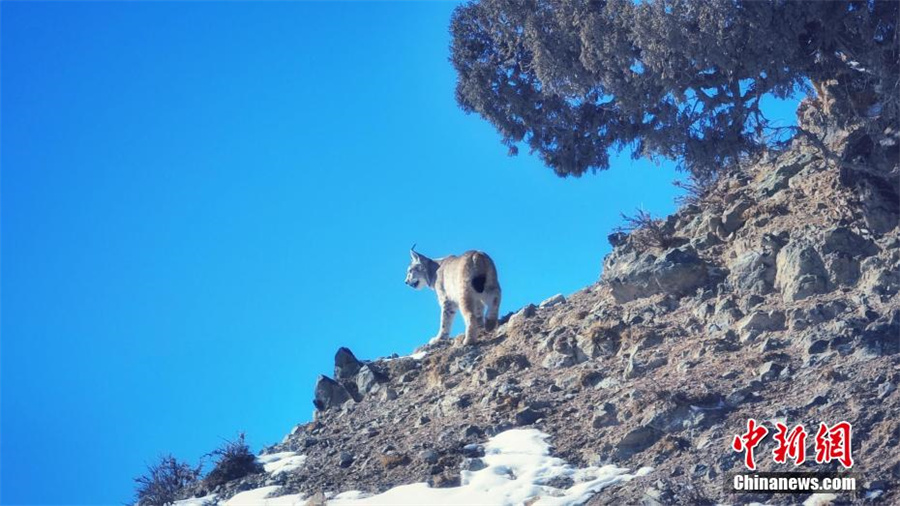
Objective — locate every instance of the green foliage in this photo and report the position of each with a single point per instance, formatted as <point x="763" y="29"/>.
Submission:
<point x="673" y="79"/>
<point x="163" y="481"/>
<point x="234" y="460"/>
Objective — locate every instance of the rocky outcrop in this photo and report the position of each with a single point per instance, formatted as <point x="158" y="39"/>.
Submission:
<point x="800" y="271"/>
<point x="634" y="274"/>
<point x="329" y="394"/>
<point x="777" y="297"/>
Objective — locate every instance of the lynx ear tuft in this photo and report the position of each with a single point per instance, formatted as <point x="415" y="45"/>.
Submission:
<point x="412" y="253"/>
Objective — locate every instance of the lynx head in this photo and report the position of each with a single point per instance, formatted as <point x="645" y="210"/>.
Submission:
<point x="421" y="270"/>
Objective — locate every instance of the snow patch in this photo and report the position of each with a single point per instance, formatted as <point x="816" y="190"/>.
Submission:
<point x="519" y="469"/>
<point x="419" y="355"/>
<point x="820" y="499"/>
<point x="207" y="500"/>
<point x="259" y="497"/>
<point x="275" y="463"/>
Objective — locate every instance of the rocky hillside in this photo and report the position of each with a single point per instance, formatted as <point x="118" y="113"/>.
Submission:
<point x="773" y="297"/>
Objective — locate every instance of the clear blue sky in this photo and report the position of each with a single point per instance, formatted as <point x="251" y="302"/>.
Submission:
<point x="202" y="201"/>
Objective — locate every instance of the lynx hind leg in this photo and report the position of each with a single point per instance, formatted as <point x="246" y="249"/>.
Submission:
<point x="479" y="312"/>
<point x="493" y="310"/>
<point x="468" y="308"/>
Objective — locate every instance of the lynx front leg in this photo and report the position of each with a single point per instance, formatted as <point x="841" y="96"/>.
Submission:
<point x="448" y="312"/>
<point x="468" y="307"/>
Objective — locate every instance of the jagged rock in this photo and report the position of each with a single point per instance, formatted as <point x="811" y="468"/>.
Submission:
<point x="467" y="361"/>
<point x="429" y="456"/>
<point x="599" y="341"/>
<point x="604" y="415"/>
<point x="770" y="371"/>
<point x="552" y="301"/>
<point x="843" y="270"/>
<point x="510" y="362"/>
<point x="556" y="360"/>
<point x="758" y="322"/>
<point x="882" y="337"/>
<point x="528" y="311"/>
<point x="473" y="450"/>
<point x="733" y="217"/>
<point x="880" y="276"/>
<point x="527" y="416"/>
<point x="616" y="238"/>
<point x="636" y="441"/>
<point x="486" y="375"/>
<point x="879" y="198"/>
<point x="590" y="379"/>
<point x="844" y="240"/>
<point x="445" y="479"/>
<point x="329" y="394"/>
<point x="367" y="378"/>
<point x="753" y="273"/>
<point x="453" y="403"/>
<point x="842" y="248"/>
<point x="472" y="464"/>
<point x="800" y="272"/>
<point x="885" y="389"/>
<point x="804" y="317"/>
<point x="636" y="368"/>
<point x="667" y="417"/>
<point x="779" y="178"/>
<point x="564" y="351"/>
<point x="817" y="346"/>
<point x="345" y="364"/>
<point x="518" y="318"/>
<point x="705" y="231"/>
<point x="655" y="497"/>
<point x="677" y="272"/>
<point x="823" y="354"/>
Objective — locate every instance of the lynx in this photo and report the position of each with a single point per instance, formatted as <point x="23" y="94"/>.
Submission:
<point x="467" y="283"/>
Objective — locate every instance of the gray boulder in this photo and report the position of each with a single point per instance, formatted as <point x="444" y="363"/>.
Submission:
<point x="552" y="301"/>
<point x="733" y="217"/>
<point x="678" y="271"/>
<point x="329" y="394"/>
<point x="880" y="276"/>
<point x="753" y="273"/>
<point x="844" y="240"/>
<point x="779" y="179"/>
<point x="758" y="322"/>
<point x="367" y="378"/>
<point x="637" y="440"/>
<point x="800" y="272"/>
<point x="345" y="364"/>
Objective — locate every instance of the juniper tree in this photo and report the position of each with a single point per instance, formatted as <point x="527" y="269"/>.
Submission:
<point x="674" y="79"/>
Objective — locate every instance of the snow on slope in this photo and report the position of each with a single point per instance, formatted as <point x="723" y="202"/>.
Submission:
<point x="518" y="468"/>
<point x="275" y="463"/>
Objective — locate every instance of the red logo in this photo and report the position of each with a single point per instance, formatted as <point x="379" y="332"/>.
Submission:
<point x="791" y="445"/>
<point x="834" y="444"/>
<point x="748" y="441"/>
